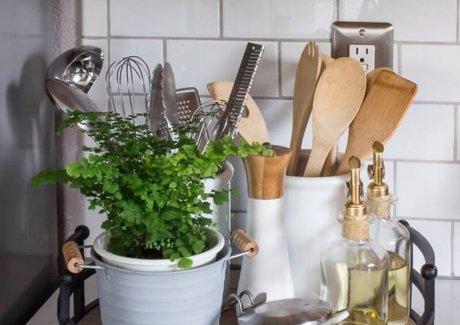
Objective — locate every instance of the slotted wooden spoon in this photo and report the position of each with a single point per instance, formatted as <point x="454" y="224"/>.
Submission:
<point x="308" y="70"/>
<point x="382" y="110"/>
<point x="252" y="127"/>
<point x="338" y="96"/>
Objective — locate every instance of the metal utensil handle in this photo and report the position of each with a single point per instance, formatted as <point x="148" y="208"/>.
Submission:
<point x="244" y="243"/>
<point x="241" y="87"/>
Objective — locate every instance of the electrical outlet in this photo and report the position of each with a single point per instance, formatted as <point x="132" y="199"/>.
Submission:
<point x="369" y="43"/>
<point x="364" y="54"/>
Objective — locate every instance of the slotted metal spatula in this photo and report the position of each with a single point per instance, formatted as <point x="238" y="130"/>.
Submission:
<point x="187" y="101"/>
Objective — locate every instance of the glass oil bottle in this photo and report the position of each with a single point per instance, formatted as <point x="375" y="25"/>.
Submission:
<point x="355" y="268"/>
<point x="393" y="236"/>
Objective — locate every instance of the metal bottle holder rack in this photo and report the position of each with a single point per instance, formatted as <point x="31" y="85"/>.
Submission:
<point x="73" y="284"/>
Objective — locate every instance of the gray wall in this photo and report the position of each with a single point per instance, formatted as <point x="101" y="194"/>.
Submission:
<point x="28" y="223"/>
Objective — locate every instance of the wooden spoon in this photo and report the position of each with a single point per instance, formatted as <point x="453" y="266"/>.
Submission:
<point x="384" y="107"/>
<point x="252" y="127"/>
<point x="338" y="96"/>
<point x="331" y="159"/>
<point x="308" y="70"/>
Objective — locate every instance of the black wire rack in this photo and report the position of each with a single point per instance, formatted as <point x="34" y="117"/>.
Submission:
<point x="72" y="285"/>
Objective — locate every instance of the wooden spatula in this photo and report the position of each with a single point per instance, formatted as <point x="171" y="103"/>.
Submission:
<point x="339" y="93"/>
<point x="307" y="73"/>
<point x="385" y="105"/>
<point x="252" y="127"/>
<point x="371" y="77"/>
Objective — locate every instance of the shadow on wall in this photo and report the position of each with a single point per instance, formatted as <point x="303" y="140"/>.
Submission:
<point x="28" y="247"/>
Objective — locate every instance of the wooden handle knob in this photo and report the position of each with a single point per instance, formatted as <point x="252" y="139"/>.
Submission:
<point x="72" y="256"/>
<point x="245" y="243"/>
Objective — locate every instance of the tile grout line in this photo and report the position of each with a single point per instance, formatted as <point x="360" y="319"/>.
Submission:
<point x="399" y="47"/>
<point x="165" y="52"/>
<point x="280" y="77"/>
<point x="108" y="30"/>
<point x="455" y="132"/>
<point x="452" y="246"/>
<point x="432" y="219"/>
<point x="337" y="10"/>
<point x="458" y="22"/>
<point x="221" y="18"/>
<point x="259" y="39"/>
<point x="395" y="187"/>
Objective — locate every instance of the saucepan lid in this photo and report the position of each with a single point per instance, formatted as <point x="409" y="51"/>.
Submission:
<point x="285" y="312"/>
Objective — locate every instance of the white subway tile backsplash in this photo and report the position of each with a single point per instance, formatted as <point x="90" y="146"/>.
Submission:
<point x="456" y="249"/>
<point x="199" y="38"/>
<point x="428" y="190"/>
<point x="196" y="63"/>
<point x="438" y="233"/>
<point x="290" y="55"/>
<point x="94" y="18"/>
<point x="436" y="70"/>
<point x="151" y="51"/>
<point x="173" y="18"/>
<point x="278" y="116"/>
<point x="413" y="20"/>
<point x="419" y="138"/>
<point x="278" y="19"/>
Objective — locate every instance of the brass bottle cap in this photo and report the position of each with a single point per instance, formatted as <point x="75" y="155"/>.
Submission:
<point x="378" y="197"/>
<point x="355" y="221"/>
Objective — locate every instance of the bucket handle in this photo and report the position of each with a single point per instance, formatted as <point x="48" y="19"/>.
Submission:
<point x="75" y="262"/>
<point x="244" y="243"/>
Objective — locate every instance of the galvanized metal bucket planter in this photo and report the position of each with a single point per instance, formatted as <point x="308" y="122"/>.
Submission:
<point x="188" y="297"/>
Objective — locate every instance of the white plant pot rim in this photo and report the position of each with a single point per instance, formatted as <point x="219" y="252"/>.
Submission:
<point x="139" y="264"/>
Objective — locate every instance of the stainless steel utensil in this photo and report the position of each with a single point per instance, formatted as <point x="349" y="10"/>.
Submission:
<point x="128" y="86"/>
<point x="207" y="117"/>
<point x="68" y="98"/>
<point x="243" y="82"/>
<point x="168" y="93"/>
<point x="187" y="101"/>
<point x="156" y="111"/>
<point x="80" y="66"/>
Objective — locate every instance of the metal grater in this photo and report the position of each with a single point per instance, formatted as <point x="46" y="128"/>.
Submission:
<point x="230" y="121"/>
<point x="188" y="100"/>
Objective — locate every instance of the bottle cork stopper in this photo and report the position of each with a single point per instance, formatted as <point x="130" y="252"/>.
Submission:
<point x="265" y="175"/>
<point x="244" y="242"/>
<point x="379" y="206"/>
<point x="72" y="256"/>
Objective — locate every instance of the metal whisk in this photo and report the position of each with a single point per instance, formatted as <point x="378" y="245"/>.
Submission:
<point x="128" y="86"/>
<point x="207" y="117"/>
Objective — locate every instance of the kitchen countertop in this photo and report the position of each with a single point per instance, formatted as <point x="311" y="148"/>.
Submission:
<point x="447" y="305"/>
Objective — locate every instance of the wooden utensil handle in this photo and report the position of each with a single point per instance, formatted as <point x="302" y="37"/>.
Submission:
<point x="72" y="256"/>
<point x="244" y="243"/>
